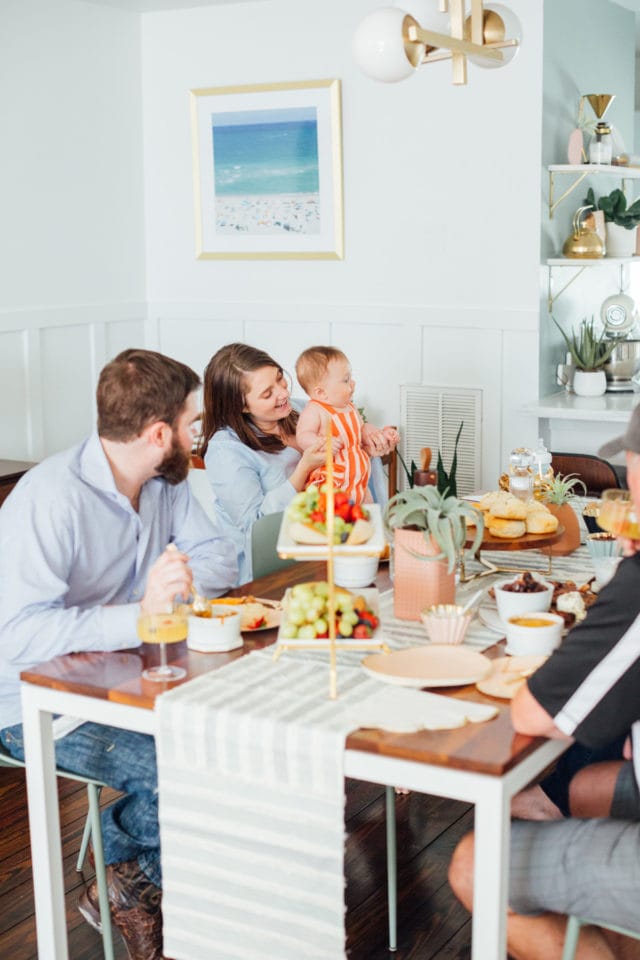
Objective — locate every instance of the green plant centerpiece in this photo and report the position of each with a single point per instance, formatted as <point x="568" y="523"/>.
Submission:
<point x="558" y="494"/>
<point x="562" y="488"/>
<point x="589" y="350"/>
<point x="427" y="525"/>
<point x="615" y="209"/>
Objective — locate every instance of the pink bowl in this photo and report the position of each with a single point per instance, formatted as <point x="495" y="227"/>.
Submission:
<point x="445" y="623"/>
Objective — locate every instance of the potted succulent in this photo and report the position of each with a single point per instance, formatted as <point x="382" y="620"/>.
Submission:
<point x="558" y="494"/>
<point x="589" y="352"/>
<point x="620" y="221"/>
<point x="430" y="526"/>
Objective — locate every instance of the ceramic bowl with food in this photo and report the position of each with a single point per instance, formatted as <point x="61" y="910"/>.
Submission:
<point x="534" y="634"/>
<point x="216" y="632"/>
<point x="523" y="594"/>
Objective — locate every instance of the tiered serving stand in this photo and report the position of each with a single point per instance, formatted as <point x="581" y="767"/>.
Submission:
<point x="374" y="547"/>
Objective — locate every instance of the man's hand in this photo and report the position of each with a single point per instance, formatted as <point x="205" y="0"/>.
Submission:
<point x="169" y="576"/>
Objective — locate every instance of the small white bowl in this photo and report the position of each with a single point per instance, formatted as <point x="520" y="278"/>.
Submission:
<point x="215" y="634"/>
<point x="512" y="604"/>
<point x="445" y="622"/>
<point x="354" y="572"/>
<point x="534" y="634"/>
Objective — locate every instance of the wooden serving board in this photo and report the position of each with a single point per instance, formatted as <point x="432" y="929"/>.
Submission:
<point x="529" y="541"/>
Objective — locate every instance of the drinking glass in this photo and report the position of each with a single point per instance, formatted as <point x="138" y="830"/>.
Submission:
<point x="163" y="628"/>
<point x="617" y="514"/>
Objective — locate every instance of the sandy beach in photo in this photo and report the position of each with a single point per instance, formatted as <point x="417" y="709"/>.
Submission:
<point x="279" y="213"/>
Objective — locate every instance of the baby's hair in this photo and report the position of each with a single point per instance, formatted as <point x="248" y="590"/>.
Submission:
<point x="313" y="363"/>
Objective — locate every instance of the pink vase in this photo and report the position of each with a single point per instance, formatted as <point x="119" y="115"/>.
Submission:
<point x="418" y="583"/>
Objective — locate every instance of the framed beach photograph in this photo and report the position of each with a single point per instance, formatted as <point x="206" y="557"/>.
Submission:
<point x="267" y="169"/>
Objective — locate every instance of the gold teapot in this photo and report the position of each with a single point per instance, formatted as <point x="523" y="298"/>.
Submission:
<point x="584" y="243"/>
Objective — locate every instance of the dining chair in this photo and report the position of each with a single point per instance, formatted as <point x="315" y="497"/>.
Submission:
<point x="92" y="831"/>
<point x="596" y="474"/>
<point x="264" y="537"/>
<point x="573" y="932"/>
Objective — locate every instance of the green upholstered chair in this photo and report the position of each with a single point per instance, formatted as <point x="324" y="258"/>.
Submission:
<point x="264" y="536"/>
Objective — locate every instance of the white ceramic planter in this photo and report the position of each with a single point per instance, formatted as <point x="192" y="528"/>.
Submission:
<point x="620" y="241"/>
<point x="589" y="383"/>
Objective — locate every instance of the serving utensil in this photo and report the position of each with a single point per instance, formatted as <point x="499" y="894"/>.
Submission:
<point x="470" y="604"/>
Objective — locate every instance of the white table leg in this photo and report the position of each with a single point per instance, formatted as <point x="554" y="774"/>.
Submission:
<point x="44" y="826"/>
<point x="492" y="826"/>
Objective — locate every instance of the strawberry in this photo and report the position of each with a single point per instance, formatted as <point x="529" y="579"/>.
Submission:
<point x="361" y="631"/>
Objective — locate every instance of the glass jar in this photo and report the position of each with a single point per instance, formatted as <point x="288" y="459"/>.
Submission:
<point x="600" y="149"/>
<point x="521" y="473"/>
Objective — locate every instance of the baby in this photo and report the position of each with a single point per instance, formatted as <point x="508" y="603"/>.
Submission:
<point x="324" y="373"/>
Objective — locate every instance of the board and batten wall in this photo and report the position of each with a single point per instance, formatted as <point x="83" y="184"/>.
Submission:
<point x="440" y="280"/>
<point x="72" y="285"/>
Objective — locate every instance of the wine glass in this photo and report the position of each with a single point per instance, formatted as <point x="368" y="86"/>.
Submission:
<point x="617" y="514"/>
<point x="163" y="628"/>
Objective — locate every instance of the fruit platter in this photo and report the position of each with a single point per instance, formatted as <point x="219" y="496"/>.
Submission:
<point x="303" y="533"/>
<point x="305" y="620"/>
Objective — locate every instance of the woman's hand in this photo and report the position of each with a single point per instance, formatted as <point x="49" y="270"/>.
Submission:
<point x="314" y="456"/>
<point x="169" y="576"/>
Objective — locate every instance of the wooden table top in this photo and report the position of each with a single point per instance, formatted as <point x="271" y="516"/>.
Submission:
<point x="491" y="747"/>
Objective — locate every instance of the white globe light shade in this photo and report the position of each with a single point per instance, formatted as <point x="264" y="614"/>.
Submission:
<point x="380" y="49"/>
<point x="499" y="23"/>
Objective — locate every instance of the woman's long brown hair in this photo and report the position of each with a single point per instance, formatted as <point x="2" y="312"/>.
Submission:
<point x="224" y="396"/>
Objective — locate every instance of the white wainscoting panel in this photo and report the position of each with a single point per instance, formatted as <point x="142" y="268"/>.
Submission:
<point x="14" y="398"/>
<point x="67" y="387"/>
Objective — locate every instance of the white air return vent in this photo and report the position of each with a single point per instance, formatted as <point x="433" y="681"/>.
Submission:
<point x="430" y="417"/>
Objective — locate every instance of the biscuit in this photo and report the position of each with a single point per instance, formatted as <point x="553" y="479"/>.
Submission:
<point x="502" y="504"/>
<point x="541" y="521"/>
<point x="506" y="529"/>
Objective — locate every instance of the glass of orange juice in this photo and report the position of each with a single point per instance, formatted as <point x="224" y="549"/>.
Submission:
<point x="163" y="628"/>
<point x="618" y="515"/>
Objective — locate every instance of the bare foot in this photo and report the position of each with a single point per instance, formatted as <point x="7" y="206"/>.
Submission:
<point x="533" y="804"/>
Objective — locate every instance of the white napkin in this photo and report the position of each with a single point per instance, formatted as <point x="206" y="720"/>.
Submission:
<point x="405" y="711"/>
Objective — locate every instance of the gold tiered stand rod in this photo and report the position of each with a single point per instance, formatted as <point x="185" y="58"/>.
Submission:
<point x="333" y="679"/>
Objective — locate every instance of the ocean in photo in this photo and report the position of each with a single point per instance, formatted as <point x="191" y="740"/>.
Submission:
<point x="266" y="171"/>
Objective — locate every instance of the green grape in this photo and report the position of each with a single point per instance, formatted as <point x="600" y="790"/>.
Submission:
<point x="345" y="628"/>
<point x="307" y="632"/>
<point x="321" y="626"/>
<point x="288" y="631"/>
<point x="322" y="589"/>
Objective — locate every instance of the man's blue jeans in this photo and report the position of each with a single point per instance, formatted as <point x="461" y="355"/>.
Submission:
<point x="125" y="761"/>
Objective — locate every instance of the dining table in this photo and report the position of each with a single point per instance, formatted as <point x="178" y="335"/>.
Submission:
<point x="484" y="764"/>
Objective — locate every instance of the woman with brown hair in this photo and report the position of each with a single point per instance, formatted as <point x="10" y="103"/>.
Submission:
<point x="249" y="443"/>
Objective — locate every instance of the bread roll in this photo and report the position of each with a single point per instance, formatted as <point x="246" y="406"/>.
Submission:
<point x="506" y="529"/>
<point x="505" y="505"/>
<point x="541" y="521"/>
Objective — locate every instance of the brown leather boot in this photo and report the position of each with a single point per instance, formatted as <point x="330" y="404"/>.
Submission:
<point x="135" y="909"/>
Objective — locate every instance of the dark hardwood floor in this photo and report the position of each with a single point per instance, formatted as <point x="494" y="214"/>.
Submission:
<point x="431" y="922"/>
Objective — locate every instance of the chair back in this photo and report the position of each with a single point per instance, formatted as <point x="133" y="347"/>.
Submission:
<point x="596" y="474"/>
<point x="264" y="536"/>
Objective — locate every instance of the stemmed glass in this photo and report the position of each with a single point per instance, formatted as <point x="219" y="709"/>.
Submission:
<point x="163" y="628"/>
<point x="617" y="514"/>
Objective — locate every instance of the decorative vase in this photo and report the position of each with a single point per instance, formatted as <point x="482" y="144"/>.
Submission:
<point x="418" y="583"/>
<point x="620" y="241"/>
<point x="570" y="539"/>
<point x="589" y="383"/>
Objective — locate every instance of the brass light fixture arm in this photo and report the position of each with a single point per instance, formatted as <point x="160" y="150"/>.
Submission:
<point x="447" y="54"/>
<point x="456" y="44"/>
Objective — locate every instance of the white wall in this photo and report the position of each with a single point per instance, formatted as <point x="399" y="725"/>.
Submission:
<point x="440" y="281"/>
<point x="71" y="231"/>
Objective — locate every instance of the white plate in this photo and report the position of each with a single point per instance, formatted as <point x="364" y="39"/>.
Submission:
<point x="491" y="618"/>
<point x="435" y="665"/>
<point x="375" y="545"/>
<point x="371" y="597"/>
<point x="506" y="677"/>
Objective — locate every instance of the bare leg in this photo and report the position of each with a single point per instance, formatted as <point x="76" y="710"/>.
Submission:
<point x="591" y="790"/>
<point x="541" y="937"/>
<point x="532" y="803"/>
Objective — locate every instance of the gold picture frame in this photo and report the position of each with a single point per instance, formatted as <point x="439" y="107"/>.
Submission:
<point x="267" y="171"/>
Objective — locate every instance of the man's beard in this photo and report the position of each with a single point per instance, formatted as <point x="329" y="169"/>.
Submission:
<point x="174" y="466"/>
